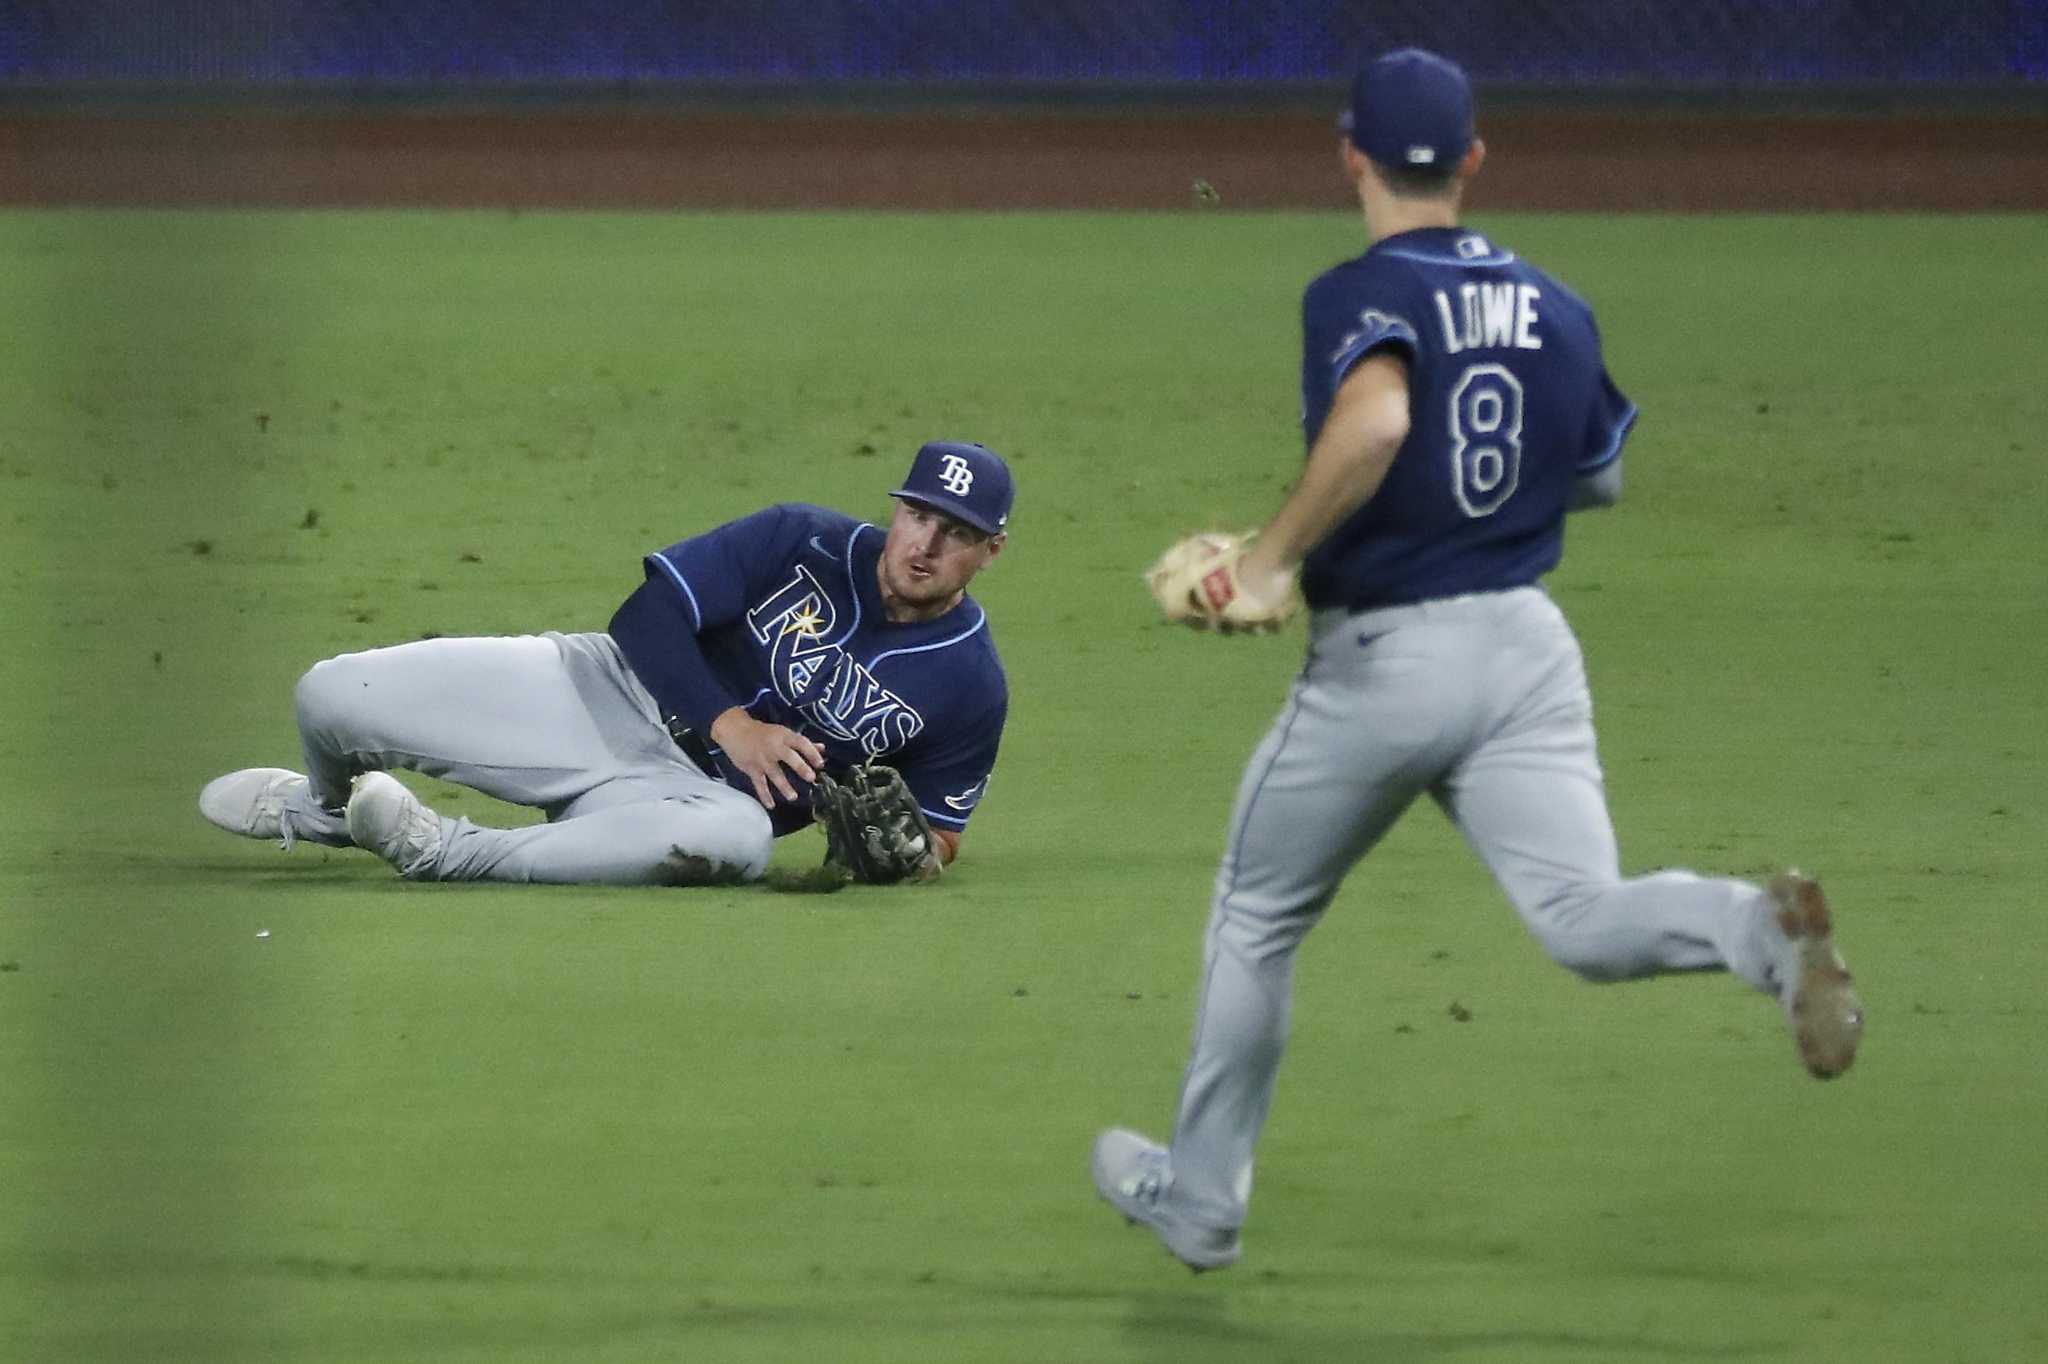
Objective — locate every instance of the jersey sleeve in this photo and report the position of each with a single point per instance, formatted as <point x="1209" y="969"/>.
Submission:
<point x="1343" y="325"/>
<point x="1374" y="330"/>
<point x="719" y="572"/>
<point x="1607" y="427"/>
<point x="693" y="586"/>
<point x="950" y="776"/>
<point x="653" y="629"/>
<point x="1612" y="416"/>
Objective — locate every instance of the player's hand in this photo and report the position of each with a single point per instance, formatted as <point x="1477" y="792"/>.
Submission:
<point x="767" y="753"/>
<point x="874" y="828"/>
<point x="1215" y="580"/>
<point x="1270" y="591"/>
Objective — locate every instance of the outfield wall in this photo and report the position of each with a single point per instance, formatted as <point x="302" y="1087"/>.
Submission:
<point x="1566" y="43"/>
<point x="1596" y="105"/>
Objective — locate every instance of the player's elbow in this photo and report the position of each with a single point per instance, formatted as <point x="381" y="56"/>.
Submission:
<point x="1394" y="417"/>
<point x="1601" y="488"/>
<point x="1369" y="414"/>
<point x="1356" y="455"/>
<point x="1382" y="439"/>
<point x="1384" y="423"/>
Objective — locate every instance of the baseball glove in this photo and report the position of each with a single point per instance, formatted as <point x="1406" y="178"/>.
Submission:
<point x="1195" y="583"/>
<point x="873" y="828"/>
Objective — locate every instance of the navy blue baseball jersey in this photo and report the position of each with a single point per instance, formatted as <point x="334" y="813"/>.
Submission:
<point x="780" y="612"/>
<point x="1509" y="402"/>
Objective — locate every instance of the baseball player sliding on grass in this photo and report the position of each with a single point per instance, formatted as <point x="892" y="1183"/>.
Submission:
<point x="1456" y="408"/>
<point x="752" y="683"/>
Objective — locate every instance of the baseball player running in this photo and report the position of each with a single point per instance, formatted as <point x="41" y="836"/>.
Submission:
<point x="1456" y="408"/>
<point x="753" y="663"/>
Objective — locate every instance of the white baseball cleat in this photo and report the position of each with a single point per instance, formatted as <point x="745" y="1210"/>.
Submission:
<point x="1130" y="1171"/>
<point x="1818" y="995"/>
<point x="391" y="822"/>
<point x="253" y="801"/>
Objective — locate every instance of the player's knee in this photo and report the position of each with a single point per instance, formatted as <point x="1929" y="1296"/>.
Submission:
<point x="754" y="840"/>
<point x="716" y="836"/>
<point x="326" y="692"/>
<point x="1582" y="959"/>
<point x="1259" y="924"/>
<point x="1572" y="939"/>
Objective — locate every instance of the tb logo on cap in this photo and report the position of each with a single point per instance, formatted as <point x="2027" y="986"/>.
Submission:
<point x="956" y="474"/>
<point x="967" y="482"/>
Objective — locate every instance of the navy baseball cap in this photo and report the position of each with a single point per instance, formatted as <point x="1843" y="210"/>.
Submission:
<point x="1410" y="109"/>
<point x="966" y="481"/>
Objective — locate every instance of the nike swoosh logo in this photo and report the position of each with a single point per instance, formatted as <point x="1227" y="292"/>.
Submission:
<point x="1364" y="640"/>
<point x="820" y="548"/>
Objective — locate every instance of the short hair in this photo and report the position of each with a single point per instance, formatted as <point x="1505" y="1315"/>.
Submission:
<point x="1418" y="182"/>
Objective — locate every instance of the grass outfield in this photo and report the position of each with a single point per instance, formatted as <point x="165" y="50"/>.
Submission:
<point x="521" y="1124"/>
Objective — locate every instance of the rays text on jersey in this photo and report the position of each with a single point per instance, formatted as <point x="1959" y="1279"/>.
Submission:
<point x="820" y="679"/>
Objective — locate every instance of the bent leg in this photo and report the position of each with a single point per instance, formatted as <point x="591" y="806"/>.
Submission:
<point x="705" y="834"/>
<point x="552" y="721"/>
<point x="502" y="715"/>
<point x="1531" y="801"/>
<point x="1546" y="836"/>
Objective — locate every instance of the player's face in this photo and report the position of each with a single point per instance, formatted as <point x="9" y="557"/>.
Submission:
<point x="928" y="560"/>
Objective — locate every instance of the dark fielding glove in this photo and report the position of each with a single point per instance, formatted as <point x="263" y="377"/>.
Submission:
<point x="873" y="828"/>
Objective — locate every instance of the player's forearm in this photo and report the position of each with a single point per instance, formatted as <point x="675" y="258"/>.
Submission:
<point x="1346" y="465"/>
<point x="656" y="635"/>
<point x="1335" y="484"/>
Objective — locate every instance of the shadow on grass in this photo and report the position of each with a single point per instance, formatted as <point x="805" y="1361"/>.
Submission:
<point x="292" y="869"/>
<point x="1400" y="1347"/>
<point x="1196" y="1325"/>
<point x="527" y="1312"/>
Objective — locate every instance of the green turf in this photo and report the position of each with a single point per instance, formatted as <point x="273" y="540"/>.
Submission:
<point x="524" y="1124"/>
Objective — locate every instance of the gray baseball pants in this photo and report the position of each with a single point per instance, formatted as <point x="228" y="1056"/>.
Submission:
<point x="1481" y="702"/>
<point x="554" y="721"/>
